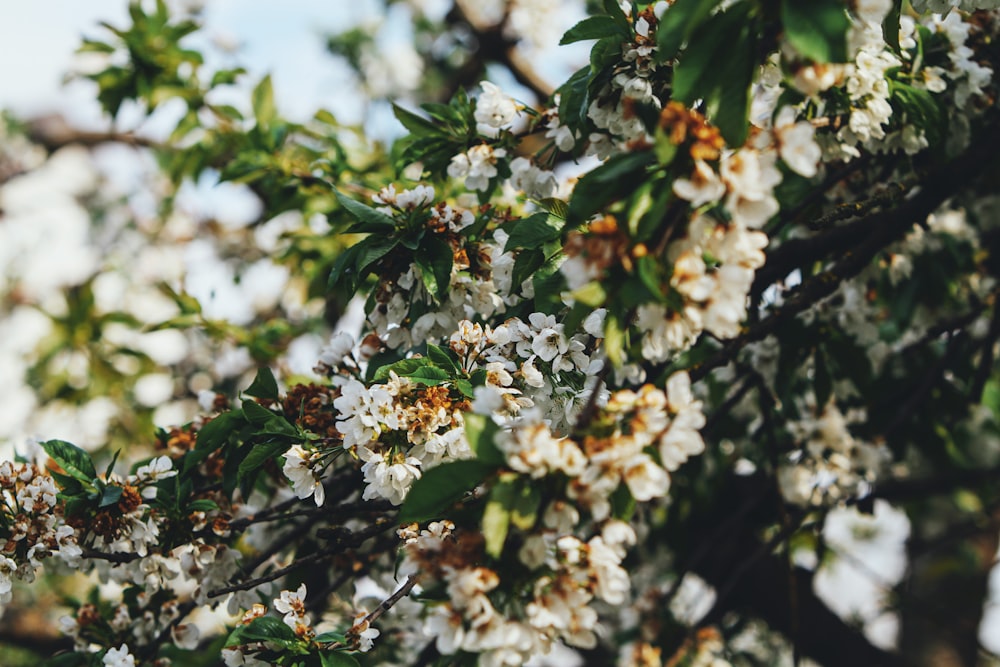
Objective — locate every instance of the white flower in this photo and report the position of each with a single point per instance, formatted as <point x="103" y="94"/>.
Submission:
<point x="561" y="135"/>
<point x="532" y="181"/>
<point x="495" y="109"/>
<point x="340" y="346"/>
<point x="298" y="469"/>
<point x="186" y="636"/>
<point x="365" y="633"/>
<point x="293" y="606"/>
<point x="119" y="657"/>
<point x="7" y="569"/>
<point x="477" y="166"/>
<point x="704" y="185"/>
<point x="797" y="144"/>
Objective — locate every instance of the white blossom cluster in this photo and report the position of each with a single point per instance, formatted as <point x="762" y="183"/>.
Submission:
<point x="570" y="575"/>
<point x="31" y="525"/>
<point x="714" y="292"/>
<point x="832" y="465"/>
<point x="596" y="466"/>
<point x="633" y="83"/>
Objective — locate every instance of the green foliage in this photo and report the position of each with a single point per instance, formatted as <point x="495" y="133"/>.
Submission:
<point x="440" y="487"/>
<point x="721" y="78"/>
<point x="817" y="29"/>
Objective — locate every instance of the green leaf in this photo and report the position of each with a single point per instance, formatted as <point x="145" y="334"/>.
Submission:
<point x="496" y="516"/>
<point x="430" y="375"/>
<point x="264" y="385"/>
<point x="214" y="434"/>
<point x="259" y="455"/>
<point x="203" y="505"/>
<point x="532" y="232"/>
<point x="414" y="123"/>
<point x="573" y="101"/>
<point x="262" y="101"/>
<point x="440" y="487"/>
<point x="606" y="53"/>
<point x="226" y="76"/>
<point x="403" y="367"/>
<point x="337" y="659"/>
<point x="110" y="496"/>
<point x="442" y="358"/>
<point x="592" y="294"/>
<point x="264" y="629"/>
<point x="817" y="28"/>
<point x="678" y="24"/>
<point x="721" y="77"/>
<point x="614" y="340"/>
<point x="434" y="258"/>
<point x="890" y="25"/>
<point x="614" y="10"/>
<point x="481" y="432"/>
<point x="72" y="459"/>
<point x="524" y="511"/>
<point x="267" y="422"/>
<point x="593" y="27"/>
<point x="256" y="413"/>
<point x="557" y="207"/>
<point x="607" y="183"/>
<point x="370" y="219"/>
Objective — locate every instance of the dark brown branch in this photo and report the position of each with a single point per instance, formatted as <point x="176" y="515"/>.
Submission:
<point x="883" y="227"/>
<point x="53" y="132"/>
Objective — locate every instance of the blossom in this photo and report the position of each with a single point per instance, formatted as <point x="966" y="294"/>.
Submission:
<point x="495" y="110"/>
<point x="299" y="469"/>
<point x="293" y="606"/>
<point x="119" y="657"/>
<point x="477" y="166"/>
<point x="796" y="143"/>
<point x="364" y="632"/>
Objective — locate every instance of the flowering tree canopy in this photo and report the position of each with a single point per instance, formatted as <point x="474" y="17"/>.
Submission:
<point x="625" y="370"/>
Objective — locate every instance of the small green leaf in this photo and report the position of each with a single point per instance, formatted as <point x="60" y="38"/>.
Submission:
<point x="203" y="505"/>
<point x="524" y="511"/>
<point x="532" y="232"/>
<point x="430" y="376"/>
<point x="337" y="659"/>
<point x="890" y="25"/>
<point x="370" y="219"/>
<point x="72" y="459"/>
<point x="264" y="385"/>
<point x="330" y="637"/>
<point x="262" y="101"/>
<point x="614" y="340"/>
<point x="259" y="455"/>
<point x="481" y="432"/>
<point x="817" y="29"/>
<point x="679" y="22"/>
<point x="110" y="496"/>
<point x="414" y="123"/>
<point x="264" y="629"/>
<point x="593" y="27"/>
<point x="496" y="517"/>
<point x="442" y="357"/>
<point x="256" y="413"/>
<point x="214" y="434"/>
<point x="440" y="487"/>
<point x="592" y="294"/>
<point x="607" y="183"/>
<point x="434" y="258"/>
<point x="403" y="367"/>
